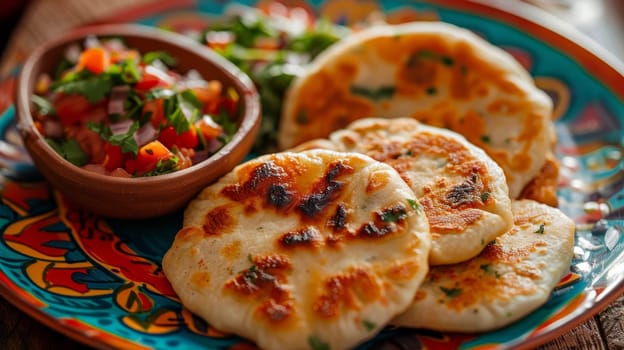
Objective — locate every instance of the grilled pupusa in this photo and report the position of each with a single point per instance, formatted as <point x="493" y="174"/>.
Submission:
<point x="293" y="250"/>
<point x="437" y="73"/>
<point x="513" y="276"/>
<point x="461" y="189"/>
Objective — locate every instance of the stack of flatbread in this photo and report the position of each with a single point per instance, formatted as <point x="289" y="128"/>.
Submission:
<point x="409" y="195"/>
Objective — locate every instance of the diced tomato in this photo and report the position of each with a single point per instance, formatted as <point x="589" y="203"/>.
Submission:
<point x="188" y="139"/>
<point x="114" y="157"/>
<point x="39" y="127"/>
<point x="229" y="105"/>
<point x="90" y="142"/>
<point x="71" y="108"/>
<point x="147" y="158"/>
<point x="168" y="136"/>
<point x="208" y="128"/>
<point x="94" y="59"/>
<point x="157" y="112"/>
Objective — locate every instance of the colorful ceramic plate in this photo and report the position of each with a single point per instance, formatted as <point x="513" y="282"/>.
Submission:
<point x="99" y="280"/>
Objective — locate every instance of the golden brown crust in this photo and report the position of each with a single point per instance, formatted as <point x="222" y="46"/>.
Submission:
<point x="512" y="276"/>
<point x="300" y="245"/>
<point x="543" y="187"/>
<point x="461" y="190"/>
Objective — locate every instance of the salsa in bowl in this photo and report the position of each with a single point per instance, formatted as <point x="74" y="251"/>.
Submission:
<point x="131" y="121"/>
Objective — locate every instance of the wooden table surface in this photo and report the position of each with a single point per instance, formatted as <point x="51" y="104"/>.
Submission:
<point x="603" y="20"/>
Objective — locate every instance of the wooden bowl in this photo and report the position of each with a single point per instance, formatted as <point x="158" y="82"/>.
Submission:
<point x="140" y="197"/>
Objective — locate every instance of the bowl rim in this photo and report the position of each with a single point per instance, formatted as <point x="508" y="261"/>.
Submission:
<point x="249" y="96"/>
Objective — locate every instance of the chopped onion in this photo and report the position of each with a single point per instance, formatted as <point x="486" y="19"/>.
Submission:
<point x="213" y="145"/>
<point x="299" y="59"/>
<point x="200" y="156"/>
<point x="52" y="128"/>
<point x="117" y="98"/>
<point x="159" y="73"/>
<point x="121" y="127"/>
<point x="219" y="37"/>
<point x="115" y="44"/>
<point x="91" y="41"/>
<point x="191" y="80"/>
<point x="193" y="74"/>
<point x="72" y="53"/>
<point x="192" y="33"/>
<point x="145" y="134"/>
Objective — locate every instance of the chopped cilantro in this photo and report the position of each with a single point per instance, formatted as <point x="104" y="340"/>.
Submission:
<point x="485" y="139"/>
<point x="229" y="126"/>
<point x="246" y="29"/>
<point x="166" y="166"/>
<point x="93" y="89"/>
<point x="451" y="292"/>
<point x="164" y="57"/>
<point x="125" y="140"/>
<point x="133" y="105"/>
<point x="175" y="117"/>
<point x="489" y="269"/>
<point x="485" y="196"/>
<point x="69" y="149"/>
<point x="63" y="66"/>
<point x="130" y="73"/>
<point x="157" y="93"/>
<point x="100" y="128"/>
<point x="413" y="204"/>
<point x="313" y="42"/>
<point x="429" y="55"/>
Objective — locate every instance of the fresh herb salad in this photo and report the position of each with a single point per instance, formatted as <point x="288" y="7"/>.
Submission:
<point x="114" y="110"/>
<point x="272" y="47"/>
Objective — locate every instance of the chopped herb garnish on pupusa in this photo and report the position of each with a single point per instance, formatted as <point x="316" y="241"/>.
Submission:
<point x="383" y="92"/>
<point x="394" y="214"/>
<point x="117" y="111"/>
<point x="485" y="196"/>
<point x="369" y="325"/>
<point x="540" y="230"/>
<point x="413" y="204"/>
<point x="317" y="344"/>
<point x="451" y="292"/>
